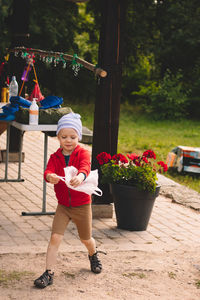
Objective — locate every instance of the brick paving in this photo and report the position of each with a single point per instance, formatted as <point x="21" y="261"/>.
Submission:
<point x="171" y="225"/>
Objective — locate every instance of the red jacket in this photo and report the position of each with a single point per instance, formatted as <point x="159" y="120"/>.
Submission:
<point x="80" y="159"/>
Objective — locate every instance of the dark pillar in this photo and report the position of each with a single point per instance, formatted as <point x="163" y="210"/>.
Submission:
<point x="20" y="36"/>
<point x="107" y="105"/>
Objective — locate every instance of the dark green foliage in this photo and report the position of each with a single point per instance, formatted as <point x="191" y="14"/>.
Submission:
<point x="167" y="31"/>
<point x="178" y="46"/>
<point x="170" y="100"/>
<point x="140" y="30"/>
<point x="158" y="35"/>
<point x="5" y="37"/>
<point x="167" y="100"/>
<point x="53" y="25"/>
<point x="56" y="26"/>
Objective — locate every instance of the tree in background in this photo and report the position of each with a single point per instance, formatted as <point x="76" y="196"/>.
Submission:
<point x="177" y="47"/>
<point x="5" y="34"/>
<point x="160" y="35"/>
<point x="53" y="26"/>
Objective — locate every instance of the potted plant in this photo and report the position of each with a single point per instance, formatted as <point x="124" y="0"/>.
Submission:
<point x="133" y="185"/>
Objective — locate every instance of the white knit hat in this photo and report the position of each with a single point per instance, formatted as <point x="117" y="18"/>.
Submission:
<point x="71" y="120"/>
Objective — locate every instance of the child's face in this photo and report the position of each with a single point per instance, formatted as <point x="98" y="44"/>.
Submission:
<point x="68" y="139"/>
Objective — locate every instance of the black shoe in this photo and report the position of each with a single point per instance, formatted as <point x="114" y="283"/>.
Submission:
<point x="45" y="279"/>
<point x="95" y="263"/>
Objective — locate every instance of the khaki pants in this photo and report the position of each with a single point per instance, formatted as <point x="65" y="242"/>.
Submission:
<point x="80" y="215"/>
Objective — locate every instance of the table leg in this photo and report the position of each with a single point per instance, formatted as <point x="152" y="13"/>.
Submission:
<point x="7" y="158"/>
<point x="7" y="151"/>
<point x="43" y="212"/>
<point x="45" y="163"/>
<point x="20" y="156"/>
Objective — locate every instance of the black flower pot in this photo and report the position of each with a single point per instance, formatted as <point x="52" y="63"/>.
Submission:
<point x="132" y="207"/>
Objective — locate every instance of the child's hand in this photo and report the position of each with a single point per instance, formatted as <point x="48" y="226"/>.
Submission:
<point x="75" y="181"/>
<point x="52" y="178"/>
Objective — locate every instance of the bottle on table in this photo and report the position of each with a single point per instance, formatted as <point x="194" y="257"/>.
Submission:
<point x="13" y="88"/>
<point x="5" y="93"/>
<point x="33" y="113"/>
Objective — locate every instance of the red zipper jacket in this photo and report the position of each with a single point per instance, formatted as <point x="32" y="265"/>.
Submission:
<point x="80" y="159"/>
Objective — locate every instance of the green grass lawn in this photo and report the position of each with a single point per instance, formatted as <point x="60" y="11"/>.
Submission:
<point x="138" y="133"/>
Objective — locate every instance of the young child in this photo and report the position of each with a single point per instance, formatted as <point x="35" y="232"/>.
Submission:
<point x="72" y="205"/>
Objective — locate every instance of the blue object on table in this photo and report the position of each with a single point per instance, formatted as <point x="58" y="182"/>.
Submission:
<point x="11" y="108"/>
<point x="51" y="101"/>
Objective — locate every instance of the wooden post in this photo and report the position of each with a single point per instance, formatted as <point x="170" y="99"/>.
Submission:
<point x="20" y="36"/>
<point x="107" y="105"/>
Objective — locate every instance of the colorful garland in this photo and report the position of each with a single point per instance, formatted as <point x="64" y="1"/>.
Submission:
<point x="55" y="58"/>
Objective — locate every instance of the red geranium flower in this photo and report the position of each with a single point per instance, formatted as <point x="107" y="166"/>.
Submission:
<point x="137" y="163"/>
<point x="133" y="156"/>
<point x="119" y="157"/>
<point x="103" y="158"/>
<point x="145" y="159"/>
<point x="149" y="154"/>
<point x="163" y="165"/>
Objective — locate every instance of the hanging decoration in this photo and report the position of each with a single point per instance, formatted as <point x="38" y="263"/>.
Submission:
<point x="36" y="93"/>
<point x="56" y="58"/>
<point x="29" y="64"/>
<point x="26" y="72"/>
<point x="75" y="65"/>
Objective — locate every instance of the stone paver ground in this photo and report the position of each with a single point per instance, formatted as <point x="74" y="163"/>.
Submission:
<point x="171" y="225"/>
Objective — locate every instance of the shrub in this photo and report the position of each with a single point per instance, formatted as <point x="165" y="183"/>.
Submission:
<point x="166" y="100"/>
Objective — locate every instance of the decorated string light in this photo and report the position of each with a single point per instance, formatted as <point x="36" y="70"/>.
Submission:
<point x="55" y="58"/>
<point x="63" y="61"/>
